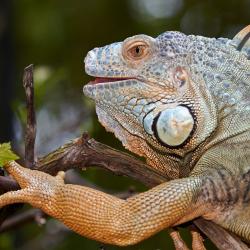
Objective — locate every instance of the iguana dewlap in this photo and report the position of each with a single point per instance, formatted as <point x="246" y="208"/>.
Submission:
<point x="183" y="103"/>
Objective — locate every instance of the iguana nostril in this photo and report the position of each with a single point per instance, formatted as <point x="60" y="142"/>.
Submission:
<point x="90" y="57"/>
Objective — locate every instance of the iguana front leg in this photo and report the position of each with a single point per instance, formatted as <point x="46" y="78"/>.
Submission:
<point x="103" y="217"/>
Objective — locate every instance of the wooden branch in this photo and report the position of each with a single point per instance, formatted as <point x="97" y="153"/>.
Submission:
<point x="85" y="152"/>
<point x="30" y="135"/>
<point x="219" y="236"/>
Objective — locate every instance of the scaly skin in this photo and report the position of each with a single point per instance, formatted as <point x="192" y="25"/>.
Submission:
<point x="183" y="103"/>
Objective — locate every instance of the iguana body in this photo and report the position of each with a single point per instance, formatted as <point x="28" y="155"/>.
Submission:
<point x="183" y="103"/>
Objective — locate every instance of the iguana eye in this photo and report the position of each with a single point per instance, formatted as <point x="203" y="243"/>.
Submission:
<point x="138" y="48"/>
<point x="136" y="51"/>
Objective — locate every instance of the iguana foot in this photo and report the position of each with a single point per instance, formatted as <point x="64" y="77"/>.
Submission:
<point x="37" y="188"/>
<point x="177" y="240"/>
<point x="197" y="240"/>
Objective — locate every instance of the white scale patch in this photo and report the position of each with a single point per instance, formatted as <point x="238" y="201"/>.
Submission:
<point x="174" y="125"/>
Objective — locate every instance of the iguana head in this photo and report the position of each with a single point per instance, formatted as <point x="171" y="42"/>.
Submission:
<point x="155" y="95"/>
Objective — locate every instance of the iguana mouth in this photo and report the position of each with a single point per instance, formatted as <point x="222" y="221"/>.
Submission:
<point x="109" y="79"/>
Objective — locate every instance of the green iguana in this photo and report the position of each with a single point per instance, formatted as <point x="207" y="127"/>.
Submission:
<point x="183" y="103"/>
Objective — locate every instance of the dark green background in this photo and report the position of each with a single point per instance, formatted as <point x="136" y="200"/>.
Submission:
<point x="55" y="35"/>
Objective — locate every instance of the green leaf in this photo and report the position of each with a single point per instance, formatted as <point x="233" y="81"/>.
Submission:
<point x="6" y="154"/>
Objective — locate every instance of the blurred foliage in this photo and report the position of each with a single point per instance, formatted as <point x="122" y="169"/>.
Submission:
<point x="55" y="36"/>
<point x="6" y="154"/>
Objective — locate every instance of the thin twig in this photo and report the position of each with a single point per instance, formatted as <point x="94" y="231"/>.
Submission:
<point x="18" y="220"/>
<point x="30" y="135"/>
<point x="53" y="235"/>
<point x="8" y="184"/>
